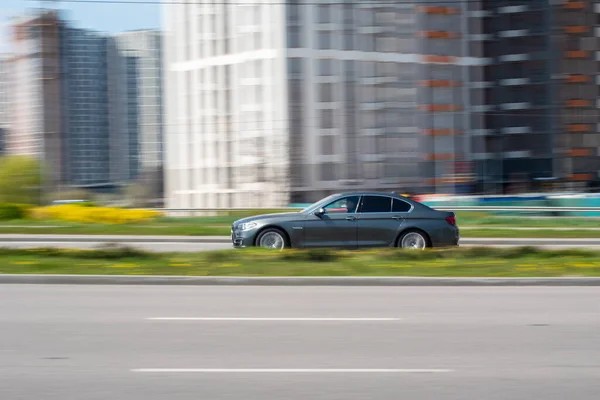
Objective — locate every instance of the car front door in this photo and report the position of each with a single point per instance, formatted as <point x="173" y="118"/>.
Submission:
<point x="378" y="226"/>
<point x="337" y="227"/>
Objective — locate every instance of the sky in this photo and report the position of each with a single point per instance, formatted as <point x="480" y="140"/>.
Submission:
<point x="109" y="17"/>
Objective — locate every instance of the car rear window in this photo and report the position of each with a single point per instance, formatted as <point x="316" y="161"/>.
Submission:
<point x="400" y="206"/>
<point x="376" y="204"/>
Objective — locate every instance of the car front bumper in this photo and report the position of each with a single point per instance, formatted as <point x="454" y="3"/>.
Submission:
<point x="242" y="239"/>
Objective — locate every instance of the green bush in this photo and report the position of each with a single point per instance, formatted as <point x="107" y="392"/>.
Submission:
<point x="10" y="211"/>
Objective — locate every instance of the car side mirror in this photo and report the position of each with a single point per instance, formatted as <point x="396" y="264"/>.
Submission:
<point x="320" y="212"/>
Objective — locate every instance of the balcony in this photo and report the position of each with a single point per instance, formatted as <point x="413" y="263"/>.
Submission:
<point x="514" y="33"/>
<point x="438" y="34"/>
<point x="439" y="107"/>
<point x="516" y="130"/>
<point x="578" y="127"/>
<point x="578" y="78"/>
<point x="576" y="29"/>
<point x="373" y="105"/>
<point x="575" y="5"/>
<point x="513" y="9"/>
<point x="480" y="37"/>
<point x="371" y="30"/>
<point x="439" y="83"/>
<point x="517" y="154"/>
<point x="373" y="131"/>
<point x="578" y="103"/>
<point x="481" y="85"/>
<point x="514" y="57"/>
<point x="440" y="132"/>
<point x="581" y="152"/>
<point x="482" y="132"/>
<point x="436" y="59"/>
<point x="515" y="82"/>
<point x="378" y="80"/>
<point x="438" y="10"/>
<point x="515" y="106"/>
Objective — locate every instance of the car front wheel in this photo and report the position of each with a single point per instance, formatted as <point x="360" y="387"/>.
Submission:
<point x="272" y="239"/>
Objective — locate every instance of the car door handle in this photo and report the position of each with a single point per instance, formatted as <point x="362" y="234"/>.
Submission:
<point x="397" y="218"/>
<point x="351" y="218"/>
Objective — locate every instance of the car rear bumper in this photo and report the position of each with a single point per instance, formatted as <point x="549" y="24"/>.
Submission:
<point x="449" y="237"/>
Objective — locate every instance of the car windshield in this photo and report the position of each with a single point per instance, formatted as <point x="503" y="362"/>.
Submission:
<point x="316" y="205"/>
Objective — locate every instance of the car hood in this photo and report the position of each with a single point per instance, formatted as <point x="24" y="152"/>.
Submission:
<point x="270" y="217"/>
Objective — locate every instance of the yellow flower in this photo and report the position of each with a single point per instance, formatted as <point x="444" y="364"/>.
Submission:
<point x="104" y="215"/>
<point x="122" y="266"/>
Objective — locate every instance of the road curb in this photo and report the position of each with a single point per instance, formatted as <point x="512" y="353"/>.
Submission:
<point x="290" y="281"/>
<point x="113" y="239"/>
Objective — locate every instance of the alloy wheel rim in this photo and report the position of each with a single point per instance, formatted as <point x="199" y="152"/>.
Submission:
<point x="413" y="241"/>
<point x="272" y="240"/>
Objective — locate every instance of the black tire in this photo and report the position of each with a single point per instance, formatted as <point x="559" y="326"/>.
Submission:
<point x="413" y="239"/>
<point x="273" y="238"/>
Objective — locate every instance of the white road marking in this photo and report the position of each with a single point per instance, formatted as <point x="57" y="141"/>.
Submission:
<point x="275" y="319"/>
<point x="291" y="370"/>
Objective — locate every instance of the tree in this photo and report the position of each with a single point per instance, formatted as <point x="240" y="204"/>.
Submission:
<point x="20" y="180"/>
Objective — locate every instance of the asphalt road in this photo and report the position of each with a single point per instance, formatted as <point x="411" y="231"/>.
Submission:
<point x="198" y="243"/>
<point x="256" y="343"/>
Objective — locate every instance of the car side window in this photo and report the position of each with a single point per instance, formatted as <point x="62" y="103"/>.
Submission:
<point x="401" y="206"/>
<point x="346" y="205"/>
<point x="376" y="204"/>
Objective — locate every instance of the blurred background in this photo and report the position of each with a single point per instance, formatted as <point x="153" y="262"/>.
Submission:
<point x="250" y="104"/>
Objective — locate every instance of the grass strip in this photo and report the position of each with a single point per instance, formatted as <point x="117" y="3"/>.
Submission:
<point x="477" y="224"/>
<point x="465" y="262"/>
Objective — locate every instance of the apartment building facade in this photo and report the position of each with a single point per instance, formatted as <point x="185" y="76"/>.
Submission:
<point x="269" y="104"/>
<point x="541" y="90"/>
<point x="427" y="96"/>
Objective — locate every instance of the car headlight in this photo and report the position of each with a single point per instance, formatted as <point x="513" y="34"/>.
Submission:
<point x="247" y="226"/>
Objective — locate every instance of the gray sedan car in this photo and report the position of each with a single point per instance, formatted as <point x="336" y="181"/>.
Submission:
<point x="350" y="221"/>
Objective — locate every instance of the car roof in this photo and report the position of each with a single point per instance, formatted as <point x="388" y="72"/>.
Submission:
<point x="389" y="194"/>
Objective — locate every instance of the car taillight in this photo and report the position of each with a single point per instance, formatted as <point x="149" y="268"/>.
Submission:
<point x="451" y="220"/>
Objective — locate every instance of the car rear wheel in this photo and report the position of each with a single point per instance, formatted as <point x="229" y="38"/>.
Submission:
<point x="272" y="239"/>
<point x="413" y="240"/>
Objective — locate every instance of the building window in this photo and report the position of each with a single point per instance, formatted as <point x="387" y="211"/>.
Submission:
<point x="328" y="172"/>
<point x="294" y="37"/>
<point x="327" y="145"/>
<point x="323" y="13"/>
<point x="327" y="119"/>
<point x="324" y="40"/>
<point x="293" y="13"/>
<point x="295" y="67"/>
<point x="326" y="92"/>
<point x="325" y="67"/>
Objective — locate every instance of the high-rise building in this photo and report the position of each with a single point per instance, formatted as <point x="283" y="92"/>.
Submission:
<point x="538" y="87"/>
<point x="37" y="120"/>
<point x="87" y="103"/>
<point x="5" y="103"/>
<point x="577" y="73"/>
<point x="141" y="51"/>
<point x="86" y="117"/>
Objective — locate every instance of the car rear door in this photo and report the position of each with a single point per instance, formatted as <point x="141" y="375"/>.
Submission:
<point x="378" y="226"/>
